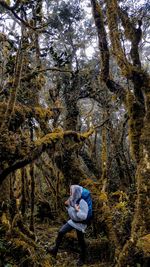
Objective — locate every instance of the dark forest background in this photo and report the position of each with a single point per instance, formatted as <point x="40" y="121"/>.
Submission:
<point x="74" y="109"/>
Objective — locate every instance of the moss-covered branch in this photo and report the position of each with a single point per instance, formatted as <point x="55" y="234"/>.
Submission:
<point x="22" y="112"/>
<point x="112" y="15"/>
<point x="133" y="34"/>
<point x="104" y="51"/>
<point x="14" y="90"/>
<point x="103" y="46"/>
<point x="69" y="140"/>
<point x="130" y="71"/>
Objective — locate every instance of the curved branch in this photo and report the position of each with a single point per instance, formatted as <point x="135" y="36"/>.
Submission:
<point x="5" y="5"/>
<point x="104" y="51"/>
<point x="133" y="34"/>
<point x="69" y="139"/>
<point x="112" y="15"/>
<point x="22" y="112"/>
<point x="24" y="22"/>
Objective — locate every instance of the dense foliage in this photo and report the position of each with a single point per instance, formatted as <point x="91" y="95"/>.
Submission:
<point x="75" y="108"/>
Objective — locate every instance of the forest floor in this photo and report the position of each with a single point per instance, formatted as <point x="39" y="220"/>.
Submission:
<point x="68" y="253"/>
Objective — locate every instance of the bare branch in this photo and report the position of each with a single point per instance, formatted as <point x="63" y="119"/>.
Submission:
<point x="100" y="125"/>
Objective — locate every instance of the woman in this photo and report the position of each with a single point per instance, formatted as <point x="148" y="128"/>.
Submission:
<point x="78" y="211"/>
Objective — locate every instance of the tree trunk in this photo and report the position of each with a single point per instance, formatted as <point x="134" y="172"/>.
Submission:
<point x="23" y="191"/>
<point x="32" y="197"/>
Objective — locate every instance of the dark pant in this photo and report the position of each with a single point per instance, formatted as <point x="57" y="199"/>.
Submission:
<point x="66" y="228"/>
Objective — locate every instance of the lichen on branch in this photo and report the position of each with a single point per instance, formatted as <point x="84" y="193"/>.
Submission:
<point x="68" y="140"/>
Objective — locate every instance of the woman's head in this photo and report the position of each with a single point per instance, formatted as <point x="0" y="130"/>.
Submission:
<point x="75" y="193"/>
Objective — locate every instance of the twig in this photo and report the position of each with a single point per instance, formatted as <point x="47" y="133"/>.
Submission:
<point x="11" y="9"/>
<point x="100" y="125"/>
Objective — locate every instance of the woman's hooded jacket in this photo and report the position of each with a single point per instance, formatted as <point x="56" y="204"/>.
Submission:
<point x="76" y="192"/>
<point x="77" y="217"/>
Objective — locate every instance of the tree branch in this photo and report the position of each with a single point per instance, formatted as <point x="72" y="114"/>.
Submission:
<point x="98" y="17"/>
<point x="68" y="139"/>
<point x="5" y="5"/>
<point x="104" y="51"/>
<point x="15" y="87"/>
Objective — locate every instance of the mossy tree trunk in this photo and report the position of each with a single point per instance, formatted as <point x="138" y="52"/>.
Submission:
<point x="23" y="191"/>
<point x="71" y="97"/>
<point x="138" y="106"/>
<point x="123" y="160"/>
<point x="72" y="166"/>
<point x="5" y="189"/>
<point x="13" y="208"/>
<point x="104" y="156"/>
<point x="32" y="176"/>
<point x="141" y="220"/>
<point x="32" y="197"/>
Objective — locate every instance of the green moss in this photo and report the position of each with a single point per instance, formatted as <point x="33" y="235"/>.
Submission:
<point x="112" y="15"/>
<point x="120" y="195"/>
<point x="103" y="197"/>
<point x="43" y="113"/>
<point x="144" y="245"/>
<point x="121" y="206"/>
<point x="136" y="117"/>
<point x="104" y="154"/>
<point x="50" y="138"/>
<point x="126" y="256"/>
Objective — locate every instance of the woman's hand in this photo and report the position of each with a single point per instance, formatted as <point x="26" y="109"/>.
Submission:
<point x="67" y="202"/>
<point x="77" y="207"/>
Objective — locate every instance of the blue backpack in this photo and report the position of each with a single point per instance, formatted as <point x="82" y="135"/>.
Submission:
<point x="86" y="195"/>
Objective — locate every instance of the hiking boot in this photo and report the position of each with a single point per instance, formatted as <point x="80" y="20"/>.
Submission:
<point x="52" y="251"/>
